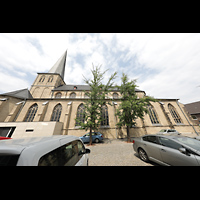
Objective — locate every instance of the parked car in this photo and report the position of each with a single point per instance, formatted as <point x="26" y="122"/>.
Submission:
<point x="169" y="132"/>
<point x="168" y="150"/>
<point x="197" y="137"/>
<point x="96" y="137"/>
<point x="44" y="151"/>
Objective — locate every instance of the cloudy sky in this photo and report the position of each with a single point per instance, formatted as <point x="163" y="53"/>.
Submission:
<point x="165" y="65"/>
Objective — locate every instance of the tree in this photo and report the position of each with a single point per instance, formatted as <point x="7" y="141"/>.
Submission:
<point x="96" y="99"/>
<point x="131" y="106"/>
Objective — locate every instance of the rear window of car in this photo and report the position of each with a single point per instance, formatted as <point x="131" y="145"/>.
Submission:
<point x="8" y="160"/>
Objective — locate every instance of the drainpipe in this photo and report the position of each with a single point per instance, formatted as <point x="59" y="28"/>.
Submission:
<point x="186" y="117"/>
<point x="114" y="103"/>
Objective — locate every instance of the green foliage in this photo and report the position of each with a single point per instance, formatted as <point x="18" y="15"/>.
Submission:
<point x="96" y="98"/>
<point x="131" y="106"/>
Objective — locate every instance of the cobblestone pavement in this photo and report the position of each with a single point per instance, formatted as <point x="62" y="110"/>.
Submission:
<point x="114" y="153"/>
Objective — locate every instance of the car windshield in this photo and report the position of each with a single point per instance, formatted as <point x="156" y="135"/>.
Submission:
<point x="171" y="130"/>
<point x="195" y="144"/>
<point x="8" y="160"/>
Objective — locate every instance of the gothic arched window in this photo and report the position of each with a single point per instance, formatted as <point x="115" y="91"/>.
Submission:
<point x="152" y="114"/>
<point x="31" y="113"/>
<point x="115" y="96"/>
<point x="56" y="113"/>
<point x="80" y="116"/>
<point x="174" y="114"/>
<point x="72" y="95"/>
<point x="58" y="95"/>
<point x="104" y="115"/>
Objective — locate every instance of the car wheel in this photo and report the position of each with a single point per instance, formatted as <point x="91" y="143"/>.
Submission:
<point x="96" y="140"/>
<point x="143" y="155"/>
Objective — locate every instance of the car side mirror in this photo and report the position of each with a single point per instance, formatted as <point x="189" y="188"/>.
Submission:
<point x="182" y="150"/>
<point x="87" y="150"/>
<point x="84" y="152"/>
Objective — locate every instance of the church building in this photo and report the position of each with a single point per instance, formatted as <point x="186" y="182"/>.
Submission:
<point x="51" y="106"/>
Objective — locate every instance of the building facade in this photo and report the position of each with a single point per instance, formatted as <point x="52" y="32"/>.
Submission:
<point x="51" y="106"/>
<point x="194" y="110"/>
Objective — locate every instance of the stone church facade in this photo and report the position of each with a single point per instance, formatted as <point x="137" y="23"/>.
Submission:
<point x="51" y="106"/>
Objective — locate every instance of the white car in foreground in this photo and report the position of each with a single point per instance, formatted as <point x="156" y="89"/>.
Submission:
<point x="60" y="150"/>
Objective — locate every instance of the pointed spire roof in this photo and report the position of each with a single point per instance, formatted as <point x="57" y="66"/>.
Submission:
<point x="59" y="66"/>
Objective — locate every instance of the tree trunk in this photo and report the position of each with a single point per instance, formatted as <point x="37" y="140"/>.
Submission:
<point x="128" y="134"/>
<point x="90" y="136"/>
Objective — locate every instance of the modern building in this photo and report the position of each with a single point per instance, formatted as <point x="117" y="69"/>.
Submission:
<point x="51" y="106"/>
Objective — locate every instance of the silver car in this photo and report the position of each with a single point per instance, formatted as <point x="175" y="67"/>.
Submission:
<point x="168" y="150"/>
<point x="60" y="150"/>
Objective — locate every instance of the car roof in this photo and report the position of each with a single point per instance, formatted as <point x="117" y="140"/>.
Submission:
<point x="166" y="136"/>
<point x="15" y="146"/>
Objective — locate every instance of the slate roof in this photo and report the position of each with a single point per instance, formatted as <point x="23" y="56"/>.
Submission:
<point x="81" y="88"/>
<point x="22" y="94"/>
<point x="193" y="108"/>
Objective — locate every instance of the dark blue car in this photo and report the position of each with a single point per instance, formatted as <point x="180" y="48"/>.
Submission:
<point x="96" y="137"/>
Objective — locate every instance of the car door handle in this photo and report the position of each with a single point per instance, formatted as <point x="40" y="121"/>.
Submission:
<point x="163" y="150"/>
<point x="145" y="145"/>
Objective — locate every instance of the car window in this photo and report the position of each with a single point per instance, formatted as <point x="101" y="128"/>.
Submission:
<point x="49" y="159"/>
<point x="145" y="138"/>
<point x="66" y="155"/>
<point x="190" y="142"/>
<point x="81" y="149"/>
<point x="151" y="139"/>
<point x="8" y="160"/>
<point x="171" y="130"/>
<point x="163" y="130"/>
<point x="169" y="143"/>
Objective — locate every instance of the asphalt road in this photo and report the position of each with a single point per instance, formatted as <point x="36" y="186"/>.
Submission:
<point x="114" y="153"/>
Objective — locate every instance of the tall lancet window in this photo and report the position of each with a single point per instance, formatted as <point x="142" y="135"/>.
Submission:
<point x="56" y="113"/>
<point x="152" y="114"/>
<point x="104" y="115"/>
<point x="80" y="116"/>
<point x="31" y="113"/>
<point x="174" y="114"/>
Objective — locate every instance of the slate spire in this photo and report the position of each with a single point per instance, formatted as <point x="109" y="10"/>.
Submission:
<point x="59" y="66"/>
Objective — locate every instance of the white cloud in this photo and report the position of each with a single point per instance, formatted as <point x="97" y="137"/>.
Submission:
<point x="11" y="83"/>
<point x="166" y="65"/>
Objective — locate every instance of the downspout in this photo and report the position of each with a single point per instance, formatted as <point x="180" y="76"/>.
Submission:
<point x="114" y="103"/>
<point x="186" y="117"/>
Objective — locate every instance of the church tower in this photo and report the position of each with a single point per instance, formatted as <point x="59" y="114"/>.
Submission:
<point x="46" y="82"/>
